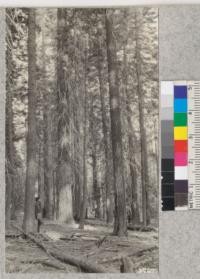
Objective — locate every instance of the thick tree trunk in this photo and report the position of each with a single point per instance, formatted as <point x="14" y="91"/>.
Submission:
<point x="84" y="196"/>
<point x="9" y="154"/>
<point x="64" y="185"/>
<point x="144" y="161"/>
<point x="48" y="165"/>
<point x="10" y="172"/>
<point x="77" y="140"/>
<point x="120" y="226"/>
<point x="78" y="183"/>
<point x="31" y="171"/>
<point x="96" y="186"/>
<point x="132" y="152"/>
<point x="65" y="212"/>
<point x="9" y="139"/>
<point x="108" y="165"/>
<point x="48" y="156"/>
<point x="77" y="187"/>
<point x="135" y="216"/>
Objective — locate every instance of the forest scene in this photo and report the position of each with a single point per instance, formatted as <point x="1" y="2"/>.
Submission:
<point x="82" y="163"/>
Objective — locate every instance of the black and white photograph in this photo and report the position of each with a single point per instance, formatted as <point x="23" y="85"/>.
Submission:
<point x="82" y="140"/>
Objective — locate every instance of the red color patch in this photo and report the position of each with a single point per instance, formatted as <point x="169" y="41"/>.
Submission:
<point x="180" y="146"/>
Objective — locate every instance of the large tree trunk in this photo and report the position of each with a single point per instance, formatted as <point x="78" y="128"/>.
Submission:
<point x="144" y="159"/>
<point x="96" y="186"/>
<point x="77" y="176"/>
<point x="108" y="165"/>
<point x="64" y="185"/>
<point x="120" y="225"/>
<point x="84" y="186"/>
<point x="48" y="156"/>
<point x="77" y="163"/>
<point x="31" y="171"/>
<point x="9" y="137"/>
<point x="132" y="150"/>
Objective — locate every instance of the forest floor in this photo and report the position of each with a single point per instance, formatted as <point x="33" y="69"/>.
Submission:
<point x="93" y="245"/>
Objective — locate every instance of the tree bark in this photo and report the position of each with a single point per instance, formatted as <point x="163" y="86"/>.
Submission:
<point x="120" y="224"/>
<point x="78" y="179"/>
<point x="131" y="156"/>
<point x="96" y="186"/>
<point x="84" y="196"/>
<point x="9" y="138"/>
<point x="48" y="156"/>
<point x="108" y="165"/>
<point x="31" y="172"/>
<point x="41" y="171"/>
<point x="64" y="186"/>
<point x="143" y="141"/>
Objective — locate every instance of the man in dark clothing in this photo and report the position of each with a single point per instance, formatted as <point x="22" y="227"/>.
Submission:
<point x="128" y="214"/>
<point x="38" y="213"/>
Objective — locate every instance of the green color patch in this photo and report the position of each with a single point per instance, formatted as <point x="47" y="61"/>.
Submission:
<point x="180" y="119"/>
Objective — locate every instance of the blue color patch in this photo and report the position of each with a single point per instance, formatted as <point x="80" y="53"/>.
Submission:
<point x="180" y="105"/>
<point x="180" y="91"/>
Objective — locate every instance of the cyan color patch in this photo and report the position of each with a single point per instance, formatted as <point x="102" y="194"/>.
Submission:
<point x="180" y="105"/>
<point x="180" y="91"/>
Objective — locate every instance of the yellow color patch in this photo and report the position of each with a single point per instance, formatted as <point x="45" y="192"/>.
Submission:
<point x="180" y="133"/>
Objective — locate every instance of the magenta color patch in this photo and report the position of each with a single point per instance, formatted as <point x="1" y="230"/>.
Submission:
<point x="181" y="158"/>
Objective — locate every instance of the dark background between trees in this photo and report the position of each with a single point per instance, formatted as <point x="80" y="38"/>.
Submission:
<point x="82" y="115"/>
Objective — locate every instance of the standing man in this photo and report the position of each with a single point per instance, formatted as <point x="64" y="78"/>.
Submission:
<point x="38" y="213"/>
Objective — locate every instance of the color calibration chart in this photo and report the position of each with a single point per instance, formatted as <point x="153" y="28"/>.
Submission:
<point x="180" y="145"/>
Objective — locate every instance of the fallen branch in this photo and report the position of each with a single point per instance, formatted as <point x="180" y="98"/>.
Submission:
<point x="13" y="235"/>
<point x="47" y="262"/>
<point x="34" y="261"/>
<point x="54" y="265"/>
<point x="54" y="252"/>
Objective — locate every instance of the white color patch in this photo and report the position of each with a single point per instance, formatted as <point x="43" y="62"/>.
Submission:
<point x="167" y="88"/>
<point x="180" y="208"/>
<point x="181" y="173"/>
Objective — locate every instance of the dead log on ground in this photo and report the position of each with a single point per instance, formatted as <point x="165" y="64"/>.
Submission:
<point x="54" y="252"/>
<point x="46" y="262"/>
<point x="13" y="235"/>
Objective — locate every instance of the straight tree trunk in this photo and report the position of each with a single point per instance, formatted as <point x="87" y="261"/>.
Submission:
<point x="41" y="172"/>
<point x="120" y="224"/>
<point x="78" y="179"/>
<point x="84" y="196"/>
<point x="9" y="138"/>
<point x="143" y="140"/>
<point x="64" y="185"/>
<point x="31" y="171"/>
<point x="77" y="175"/>
<point x="96" y="186"/>
<point x="48" y="156"/>
<point x="131" y="155"/>
<point x="108" y="165"/>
